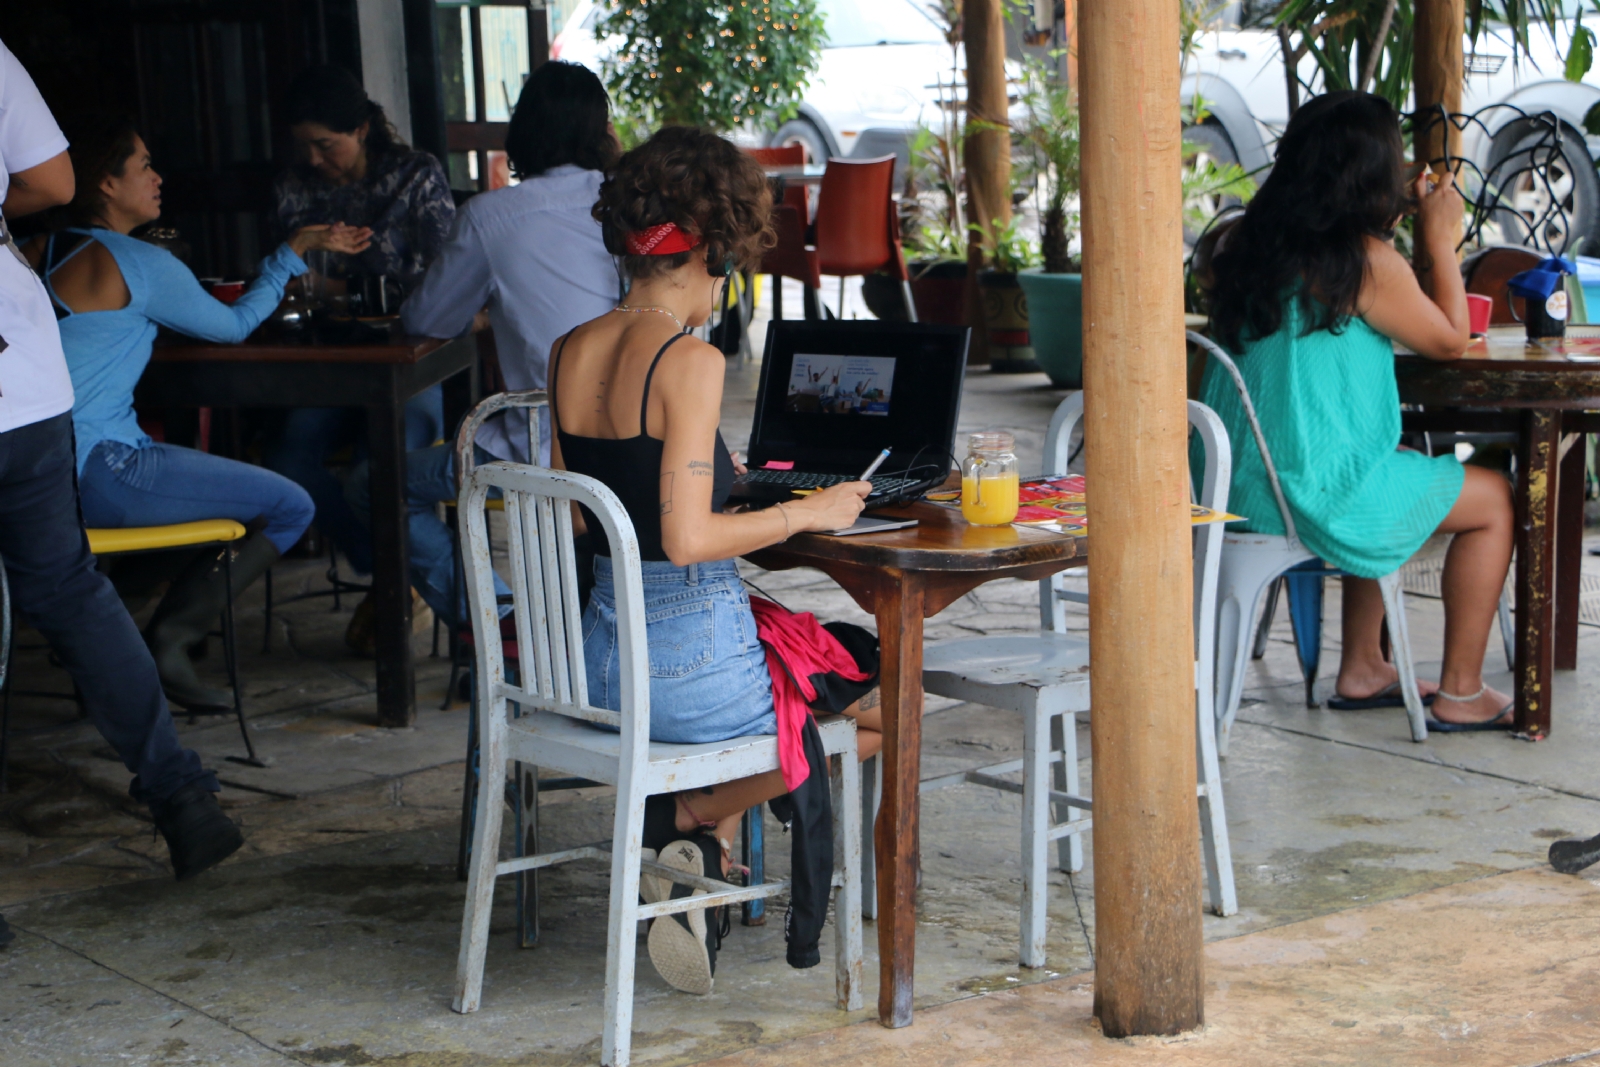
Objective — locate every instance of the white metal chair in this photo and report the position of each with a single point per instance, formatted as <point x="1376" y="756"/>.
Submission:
<point x="1045" y="676"/>
<point x="560" y="730"/>
<point x="1251" y="562"/>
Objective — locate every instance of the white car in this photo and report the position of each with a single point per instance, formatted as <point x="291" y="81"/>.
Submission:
<point x="1240" y="76"/>
<point x="879" y="78"/>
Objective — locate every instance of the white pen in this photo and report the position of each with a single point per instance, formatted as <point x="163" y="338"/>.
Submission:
<point x="868" y="473"/>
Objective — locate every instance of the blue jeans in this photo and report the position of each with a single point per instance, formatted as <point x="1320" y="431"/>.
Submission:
<point x="708" y="671"/>
<point x="430" y="478"/>
<point x="313" y="434"/>
<point x="162" y="484"/>
<point x="55" y="586"/>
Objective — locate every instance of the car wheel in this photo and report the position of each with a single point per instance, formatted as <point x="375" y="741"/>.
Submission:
<point x="1216" y="147"/>
<point x="803" y="133"/>
<point x="1549" y="195"/>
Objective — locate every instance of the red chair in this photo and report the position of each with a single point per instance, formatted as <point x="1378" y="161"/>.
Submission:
<point x="857" y="231"/>
<point x="791" y="218"/>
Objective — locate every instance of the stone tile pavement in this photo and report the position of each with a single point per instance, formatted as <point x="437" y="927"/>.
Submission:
<point x="331" y="939"/>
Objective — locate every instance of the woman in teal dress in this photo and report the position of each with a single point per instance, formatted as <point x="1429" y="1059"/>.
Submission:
<point x="1310" y="295"/>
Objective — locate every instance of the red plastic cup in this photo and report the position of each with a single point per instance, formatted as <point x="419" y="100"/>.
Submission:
<point x="228" y="292"/>
<point x="1479" y="308"/>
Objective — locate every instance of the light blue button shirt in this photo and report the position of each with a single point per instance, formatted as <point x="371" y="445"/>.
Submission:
<point x="534" y="254"/>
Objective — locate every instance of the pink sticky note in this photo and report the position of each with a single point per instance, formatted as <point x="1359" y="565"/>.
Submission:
<point x="778" y="465"/>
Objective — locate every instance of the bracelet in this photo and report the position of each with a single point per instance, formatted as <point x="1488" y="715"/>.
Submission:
<point x="784" y="512"/>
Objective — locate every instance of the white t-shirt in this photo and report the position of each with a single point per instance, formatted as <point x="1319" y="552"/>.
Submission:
<point x="34" y="383"/>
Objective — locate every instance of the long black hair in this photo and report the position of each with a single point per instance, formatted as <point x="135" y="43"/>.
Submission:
<point x="1339" y="179"/>
<point x="562" y="117"/>
<point x="331" y="96"/>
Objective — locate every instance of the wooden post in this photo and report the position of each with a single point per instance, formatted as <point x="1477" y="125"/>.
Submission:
<point x="1148" y="977"/>
<point x="1069" y="41"/>
<point x="1440" y="73"/>
<point x="985" y="153"/>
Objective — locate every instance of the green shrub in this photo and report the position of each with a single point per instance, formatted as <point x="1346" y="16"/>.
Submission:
<point x="714" y="64"/>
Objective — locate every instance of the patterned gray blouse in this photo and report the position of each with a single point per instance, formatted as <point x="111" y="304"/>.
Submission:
<point x="404" y="197"/>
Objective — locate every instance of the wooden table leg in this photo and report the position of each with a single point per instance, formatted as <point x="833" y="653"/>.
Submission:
<point x="899" y="609"/>
<point x="1569" y="552"/>
<point x="1538" y="472"/>
<point x="391" y="569"/>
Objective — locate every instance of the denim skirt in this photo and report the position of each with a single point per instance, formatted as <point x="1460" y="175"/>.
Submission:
<point x="708" y="670"/>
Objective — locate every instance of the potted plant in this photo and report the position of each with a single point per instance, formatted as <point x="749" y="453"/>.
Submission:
<point x="1005" y="304"/>
<point x="932" y="231"/>
<point x="933" y="225"/>
<point x="1055" y="294"/>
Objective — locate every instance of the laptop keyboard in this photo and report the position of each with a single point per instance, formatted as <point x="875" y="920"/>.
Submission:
<point x="882" y="484"/>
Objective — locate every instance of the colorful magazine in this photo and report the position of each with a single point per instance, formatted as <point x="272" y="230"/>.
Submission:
<point x="1057" y="504"/>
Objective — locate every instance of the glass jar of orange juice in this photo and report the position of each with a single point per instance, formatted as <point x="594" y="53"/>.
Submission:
<point x="989" y="479"/>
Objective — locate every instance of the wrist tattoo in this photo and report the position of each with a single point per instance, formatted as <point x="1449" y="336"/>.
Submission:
<point x="700" y="469"/>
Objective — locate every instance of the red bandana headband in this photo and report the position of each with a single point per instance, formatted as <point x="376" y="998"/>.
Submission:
<point x="663" y="240"/>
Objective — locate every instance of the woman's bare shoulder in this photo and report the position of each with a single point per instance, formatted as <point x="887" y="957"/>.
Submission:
<point x="1386" y="267"/>
<point x="1383" y="256"/>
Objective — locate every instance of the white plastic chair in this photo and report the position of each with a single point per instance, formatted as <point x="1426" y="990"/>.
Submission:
<point x="1251" y="562"/>
<point x="558" y="729"/>
<point x="1045" y="677"/>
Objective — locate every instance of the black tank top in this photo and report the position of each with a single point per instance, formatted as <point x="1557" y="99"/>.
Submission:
<point x="631" y="468"/>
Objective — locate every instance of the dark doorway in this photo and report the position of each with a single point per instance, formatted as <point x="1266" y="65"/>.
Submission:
<point x="203" y="80"/>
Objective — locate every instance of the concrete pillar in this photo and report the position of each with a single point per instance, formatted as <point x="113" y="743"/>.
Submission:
<point x="383" y="60"/>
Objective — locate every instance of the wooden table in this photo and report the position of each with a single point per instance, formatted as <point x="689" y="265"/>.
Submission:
<point x="903" y="577"/>
<point x="1543" y="393"/>
<point x="379" y="377"/>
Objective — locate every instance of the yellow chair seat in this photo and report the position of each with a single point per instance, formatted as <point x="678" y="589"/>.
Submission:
<point x="146" y="538"/>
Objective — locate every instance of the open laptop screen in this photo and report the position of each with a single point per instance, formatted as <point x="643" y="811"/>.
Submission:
<point x="833" y="394"/>
<point x="839" y="385"/>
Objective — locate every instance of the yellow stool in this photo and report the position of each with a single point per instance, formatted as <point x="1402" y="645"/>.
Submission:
<point x="128" y="540"/>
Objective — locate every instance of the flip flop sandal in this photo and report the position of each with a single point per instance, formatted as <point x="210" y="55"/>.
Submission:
<point x="1387" y="697"/>
<point x="683" y="947"/>
<point x="1574" y="854"/>
<point x="1502" y="721"/>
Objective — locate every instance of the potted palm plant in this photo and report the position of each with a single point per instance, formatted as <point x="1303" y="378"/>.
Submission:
<point x="932" y="230"/>
<point x="1055" y="293"/>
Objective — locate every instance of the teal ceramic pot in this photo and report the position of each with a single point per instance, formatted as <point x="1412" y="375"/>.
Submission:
<point x="1055" y="324"/>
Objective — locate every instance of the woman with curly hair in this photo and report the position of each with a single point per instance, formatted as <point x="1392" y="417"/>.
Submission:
<point x="636" y="401"/>
<point x="1308" y="290"/>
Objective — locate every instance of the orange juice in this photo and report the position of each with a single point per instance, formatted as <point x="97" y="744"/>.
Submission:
<point x="989" y="501"/>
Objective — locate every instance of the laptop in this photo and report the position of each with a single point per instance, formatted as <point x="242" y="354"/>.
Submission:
<point x="833" y="395"/>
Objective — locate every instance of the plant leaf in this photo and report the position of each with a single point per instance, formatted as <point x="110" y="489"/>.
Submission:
<point x="1580" y="53"/>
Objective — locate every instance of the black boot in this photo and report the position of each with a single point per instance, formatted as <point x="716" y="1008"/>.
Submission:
<point x="199" y="836"/>
<point x="189" y="611"/>
<point x="1574" y="854"/>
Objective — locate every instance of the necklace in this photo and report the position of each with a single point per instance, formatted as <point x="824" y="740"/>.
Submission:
<point x="652" y="307"/>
